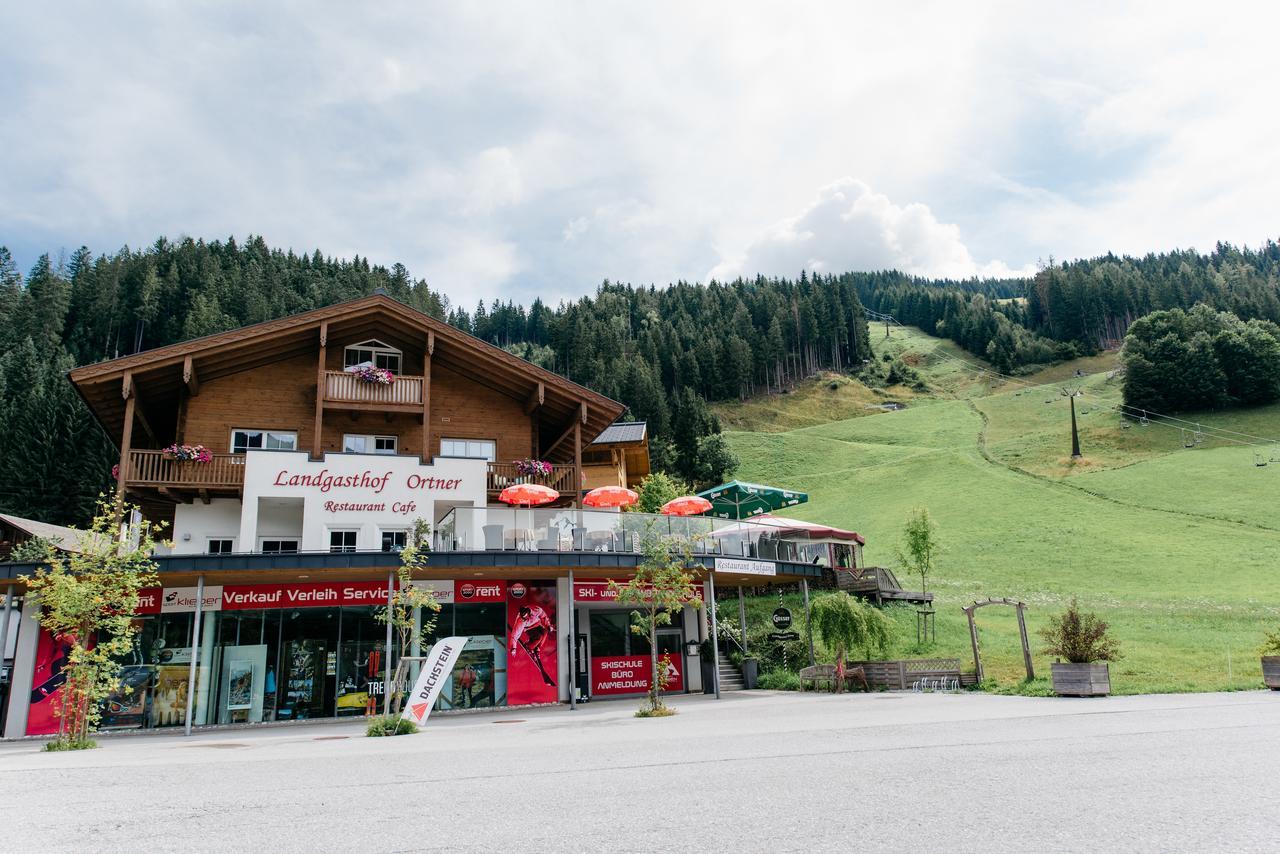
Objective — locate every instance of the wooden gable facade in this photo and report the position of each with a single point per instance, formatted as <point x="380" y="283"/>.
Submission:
<point x="289" y="375"/>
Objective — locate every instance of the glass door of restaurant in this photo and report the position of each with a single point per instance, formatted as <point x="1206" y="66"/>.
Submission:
<point x="671" y="643"/>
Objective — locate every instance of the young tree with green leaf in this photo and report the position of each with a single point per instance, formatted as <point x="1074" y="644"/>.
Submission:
<point x="88" y="600"/>
<point x="662" y="585"/>
<point x="411" y="610"/>
<point x="919" y="549"/>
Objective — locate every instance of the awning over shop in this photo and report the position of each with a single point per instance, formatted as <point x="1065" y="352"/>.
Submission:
<point x="791" y="527"/>
<point x="740" y="500"/>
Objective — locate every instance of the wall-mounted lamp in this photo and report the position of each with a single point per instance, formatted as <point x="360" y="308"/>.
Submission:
<point x="186" y="538"/>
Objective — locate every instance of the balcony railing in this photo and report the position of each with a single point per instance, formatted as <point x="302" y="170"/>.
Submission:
<point x="563" y="479"/>
<point x="343" y="387"/>
<point x="155" y="468"/>
<point x="568" y="529"/>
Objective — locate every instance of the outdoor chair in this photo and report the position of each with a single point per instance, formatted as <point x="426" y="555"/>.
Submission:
<point x="579" y="535"/>
<point x="493" y="538"/>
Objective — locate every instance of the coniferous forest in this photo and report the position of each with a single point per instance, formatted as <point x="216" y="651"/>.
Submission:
<point x="664" y="351"/>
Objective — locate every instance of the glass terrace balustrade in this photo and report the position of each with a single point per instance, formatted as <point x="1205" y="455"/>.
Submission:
<point x="567" y="529"/>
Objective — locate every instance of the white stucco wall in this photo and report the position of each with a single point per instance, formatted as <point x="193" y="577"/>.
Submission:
<point x="363" y="492"/>
<point x="195" y="524"/>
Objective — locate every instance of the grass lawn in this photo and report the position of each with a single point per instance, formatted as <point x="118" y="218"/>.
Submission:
<point x="1179" y="549"/>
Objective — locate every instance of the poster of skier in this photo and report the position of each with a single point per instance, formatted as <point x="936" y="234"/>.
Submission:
<point x="531" y="643"/>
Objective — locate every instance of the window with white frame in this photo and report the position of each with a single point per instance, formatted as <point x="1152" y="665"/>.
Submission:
<point x="472" y="449"/>
<point x="220" y="546"/>
<point x="394" y="541"/>
<point x="353" y="443"/>
<point x="279" y="547"/>
<point x="266" y="440"/>
<point x="372" y="352"/>
<point x="342" y="540"/>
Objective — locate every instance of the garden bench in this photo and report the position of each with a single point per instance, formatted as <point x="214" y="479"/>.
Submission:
<point x="818" y="673"/>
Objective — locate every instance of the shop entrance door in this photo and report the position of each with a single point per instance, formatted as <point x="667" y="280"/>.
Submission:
<point x="671" y="642"/>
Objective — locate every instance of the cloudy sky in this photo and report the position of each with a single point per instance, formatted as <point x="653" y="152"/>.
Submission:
<point x="536" y="149"/>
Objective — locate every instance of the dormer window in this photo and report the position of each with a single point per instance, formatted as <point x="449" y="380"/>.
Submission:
<point x="372" y="352"/>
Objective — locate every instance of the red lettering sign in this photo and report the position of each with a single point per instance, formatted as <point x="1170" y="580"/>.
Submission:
<point x="630" y="674"/>
<point x="479" y="591"/>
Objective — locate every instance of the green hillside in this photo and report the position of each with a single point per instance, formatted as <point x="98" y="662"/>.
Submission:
<point x="1178" y="548"/>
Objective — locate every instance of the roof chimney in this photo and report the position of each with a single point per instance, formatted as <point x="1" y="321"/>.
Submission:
<point x="380" y="292"/>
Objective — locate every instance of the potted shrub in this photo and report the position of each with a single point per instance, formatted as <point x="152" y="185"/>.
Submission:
<point x="1083" y="640"/>
<point x="1271" y="661"/>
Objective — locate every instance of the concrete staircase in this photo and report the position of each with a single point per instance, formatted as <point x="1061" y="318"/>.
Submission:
<point x="730" y="676"/>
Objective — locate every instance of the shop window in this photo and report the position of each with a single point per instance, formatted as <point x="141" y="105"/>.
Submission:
<point x="472" y="449"/>
<point x="374" y="353"/>
<point x="279" y="547"/>
<point x="357" y="444"/>
<point x="220" y="547"/>
<point x="394" y="541"/>
<point x="611" y="635"/>
<point x="266" y="440"/>
<point x="342" y="541"/>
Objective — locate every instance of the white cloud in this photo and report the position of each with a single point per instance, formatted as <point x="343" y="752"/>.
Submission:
<point x="850" y="227"/>
<point x="525" y="150"/>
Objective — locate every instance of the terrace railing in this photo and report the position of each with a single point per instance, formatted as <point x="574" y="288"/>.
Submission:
<point x="155" y="468"/>
<point x="343" y="387"/>
<point x="571" y="529"/>
<point x="563" y="479"/>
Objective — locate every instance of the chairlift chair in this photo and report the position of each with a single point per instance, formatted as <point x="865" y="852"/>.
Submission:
<point x="1275" y="453"/>
<point x="1187" y="441"/>
<point x="1144" y="421"/>
<point x="1259" y="460"/>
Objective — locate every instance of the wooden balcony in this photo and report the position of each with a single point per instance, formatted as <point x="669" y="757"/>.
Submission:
<point x="563" y="479"/>
<point x="343" y="390"/>
<point x="178" y="479"/>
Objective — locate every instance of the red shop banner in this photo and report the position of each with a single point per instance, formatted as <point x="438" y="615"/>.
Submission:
<point x="149" y="600"/>
<point x="320" y="594"/>
<point x="532" y="662"/>
<point x="479" y="592"/>
<point x="598" y="591"/>
<point x="630" y="674"/>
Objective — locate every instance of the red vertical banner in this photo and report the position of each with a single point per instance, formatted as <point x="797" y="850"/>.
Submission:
<point x="532" y="662"/>
<point x="46" y="686"/>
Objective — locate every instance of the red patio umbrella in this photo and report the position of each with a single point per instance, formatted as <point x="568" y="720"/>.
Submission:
<point x="610" y="496"/>
<point x="528" y="495"/>
<point x="686" y="505"/>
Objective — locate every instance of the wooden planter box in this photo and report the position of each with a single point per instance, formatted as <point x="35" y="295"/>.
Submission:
<point x="1081" y="680"/>
<point x="1271" y="671"/>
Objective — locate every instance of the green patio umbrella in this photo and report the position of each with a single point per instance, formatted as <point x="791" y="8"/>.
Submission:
<point x="739" y="500"/>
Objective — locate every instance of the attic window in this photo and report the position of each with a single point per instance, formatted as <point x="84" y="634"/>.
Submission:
<point x="372" y="352"/>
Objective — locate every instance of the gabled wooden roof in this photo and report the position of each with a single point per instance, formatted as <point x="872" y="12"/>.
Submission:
<point x="156" y="376"/>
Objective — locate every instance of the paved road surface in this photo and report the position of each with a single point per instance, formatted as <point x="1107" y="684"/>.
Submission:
<point x="755" y="772"/>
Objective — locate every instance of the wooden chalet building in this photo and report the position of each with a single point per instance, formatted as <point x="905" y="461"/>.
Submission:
<point x="291" y="459"/>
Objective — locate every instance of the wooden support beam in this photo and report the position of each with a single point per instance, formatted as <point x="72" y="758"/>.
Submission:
<point x="560" y="441"/>
<point x="189" y="376"/>
<point x="204" y="496"/>
<point x="583" y="408"/>
<point x="126" y="440"/>
<point x="577" y="460"/>
<point x="316" y="444"/>
<point x="536" y="398"/>
<point x="426" y="398"/>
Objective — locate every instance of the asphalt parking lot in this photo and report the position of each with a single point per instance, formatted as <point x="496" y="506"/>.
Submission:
<point x="756" y="771"/>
